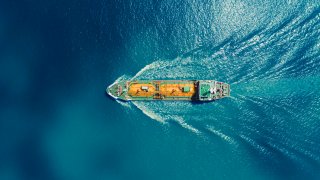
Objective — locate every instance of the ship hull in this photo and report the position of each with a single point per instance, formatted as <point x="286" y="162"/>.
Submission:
<point x="183" y="90"/>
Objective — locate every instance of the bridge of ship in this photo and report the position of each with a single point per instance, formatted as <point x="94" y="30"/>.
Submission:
<point x="162" y="89"/>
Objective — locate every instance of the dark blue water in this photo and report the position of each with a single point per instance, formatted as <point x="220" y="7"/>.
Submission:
<point x="57" y="58"/>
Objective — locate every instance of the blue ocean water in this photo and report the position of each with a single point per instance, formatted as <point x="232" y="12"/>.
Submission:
<point x="57" y="58"/>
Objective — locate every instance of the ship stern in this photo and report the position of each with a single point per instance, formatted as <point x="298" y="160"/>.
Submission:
<point x="210" y="90"/>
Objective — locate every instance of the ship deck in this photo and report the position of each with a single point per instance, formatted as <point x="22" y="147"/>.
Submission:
<point x="194" y="90"/>
<point x="165" y="90"/>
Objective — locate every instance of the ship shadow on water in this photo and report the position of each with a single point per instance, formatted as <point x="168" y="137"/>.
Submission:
<point x="116" y="100"/>
<point x="197" y="102"/>
<point x="109" y="97"/>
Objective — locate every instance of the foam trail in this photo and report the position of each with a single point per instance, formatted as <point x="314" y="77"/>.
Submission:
<point x="147" y="111"/>
<point x="159" y="112"/>
<point x="268" y="70"/>
<point x="273" y="70"/>
<point x="222" y="135"/>
<point x="185" y="125"/>
<point x="285" y="86"/>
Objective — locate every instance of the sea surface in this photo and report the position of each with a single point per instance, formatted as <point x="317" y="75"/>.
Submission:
<point x="57" y="57"/>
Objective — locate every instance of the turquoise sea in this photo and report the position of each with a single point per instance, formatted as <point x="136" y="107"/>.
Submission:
<point x="57" y="57"/>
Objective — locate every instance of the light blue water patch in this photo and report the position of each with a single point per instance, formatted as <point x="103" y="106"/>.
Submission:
<point x="57" y="58"/>
<point x="273" y="111"/>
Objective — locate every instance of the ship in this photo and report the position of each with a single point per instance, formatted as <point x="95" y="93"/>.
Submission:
<point x="188" y="90"/>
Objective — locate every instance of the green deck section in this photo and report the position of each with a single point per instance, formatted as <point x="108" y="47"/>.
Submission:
<point x="186" y="89"/>
<point x="205" y="90"/>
